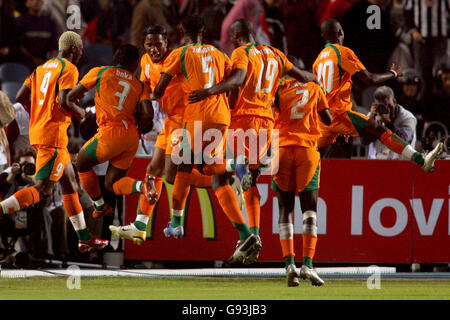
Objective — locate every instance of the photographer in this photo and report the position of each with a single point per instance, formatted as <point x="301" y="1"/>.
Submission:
<point x="393" y="116"/>
<point x="32" y="225"/>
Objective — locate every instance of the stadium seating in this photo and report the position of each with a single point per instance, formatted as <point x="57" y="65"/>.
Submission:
<point x="11" y="88"/>
<point x="95" y="55"/>
<point x="14" y="72"/>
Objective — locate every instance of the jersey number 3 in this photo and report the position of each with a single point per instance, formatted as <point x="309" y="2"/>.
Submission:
<point x="122" y="95"/>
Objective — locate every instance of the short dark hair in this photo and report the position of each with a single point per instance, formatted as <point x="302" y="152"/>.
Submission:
<point x="155" y="29"/>
<point x="192" y="25"/>
<point x="126" y="56"/>
<point x="25" y="152"/>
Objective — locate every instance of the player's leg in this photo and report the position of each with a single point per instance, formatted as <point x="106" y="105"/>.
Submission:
<point x="87" y="158"/>
<point x="72" y="205"/>
<point x="248" y="243"/>
<point x="369" y="128"/>
<point x="286" y="202"/>
<point x="307" y="174"/>
<point x="283" y="183"/>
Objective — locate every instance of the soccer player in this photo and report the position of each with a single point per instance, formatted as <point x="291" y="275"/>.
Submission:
<point x="202" y="66"/>
<point x="119" y="96"/>
<point x="334" y="67"/>
<point x="300" y="107"/>
<point x="257" y="70"/>
<point x="172" y="104"/>
<point x="45" y="91"/>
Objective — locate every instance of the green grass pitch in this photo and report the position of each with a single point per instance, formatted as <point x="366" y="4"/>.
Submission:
<point x="217" y="289"/>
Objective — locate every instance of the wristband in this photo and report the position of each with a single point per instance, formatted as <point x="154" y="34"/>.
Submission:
<point x="394" y="73"/>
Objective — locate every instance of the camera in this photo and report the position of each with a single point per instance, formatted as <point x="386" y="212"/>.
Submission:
<point x="28" y="168"/>
<point x="383" y="108"/>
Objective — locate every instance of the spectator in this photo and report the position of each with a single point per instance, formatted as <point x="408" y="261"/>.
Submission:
<point x="410" y="95"/>
<point x="8" y="47"/>
<point x="302" y="32"/>
<point x="428" y="21"/>
<point x="7" y="114"/>
<point x="213" y="17"/>
<point x="146" y="12"/>
<point x="33" y="223"/>
<point x="274" y="20"/>
<point x="252" y="10"/>
<point x="17" y="130"/>
<point x="37" y="34"/>
<point x="393" y="116"/>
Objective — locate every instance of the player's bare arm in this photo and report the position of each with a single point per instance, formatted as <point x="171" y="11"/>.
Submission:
<point x="234" y="81"/>
<point x="23" y="96"/>
<point x="161" y="86"/>
<point x="325" y="116"/>
<point x="302" y="75"/>
<point x="376" y="78"/>
<point x="70" y="99"/>
<point x="144" y="116"/>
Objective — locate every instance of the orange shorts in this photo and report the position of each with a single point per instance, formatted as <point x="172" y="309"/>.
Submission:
<point x="203" y="141"/>
<point x="296" y="168"/>
<point x="114" y="143"/>
<point x="164" y="140"/>
<point x="349" y="123"/>
<point x="252" y="136"/>
<point x="50" y="162"/>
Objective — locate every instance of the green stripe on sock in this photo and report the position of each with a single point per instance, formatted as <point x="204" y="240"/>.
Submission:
<point x="307" y="262"/>
<point x="135" y="189"/>
<point x="396" y="137"/>
<point x="254" y="230"/>
<point x="418" y="158"/>
<point x="244" y="231"/>
<point x="84" y="235"/>
<point x="289" y="260"/>
<point x="140" y="225"/>
<point x="175" y="221"/>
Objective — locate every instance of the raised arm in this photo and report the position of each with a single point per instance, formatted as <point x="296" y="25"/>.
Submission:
<point x="302" y="75"/>
<point x="370" y="78"/>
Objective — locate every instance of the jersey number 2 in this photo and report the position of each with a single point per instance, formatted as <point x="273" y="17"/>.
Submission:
<point x="295" y="112"/>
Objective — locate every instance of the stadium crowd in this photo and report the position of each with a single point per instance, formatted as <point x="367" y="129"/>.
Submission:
<point x="412" y="34"/>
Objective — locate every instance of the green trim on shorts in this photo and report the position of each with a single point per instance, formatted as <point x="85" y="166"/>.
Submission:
<point x="314" y="183"/>
<point x="273" y="185"/>
<point x="91" y="150"/>
<point x="358" y="122"/>
<point x="45" y="172"/>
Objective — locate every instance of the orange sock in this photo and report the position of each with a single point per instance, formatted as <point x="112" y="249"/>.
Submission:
<point x="144" y="206"/>
<point x="181" y="188"/>
<point x="89" y="182"/>
<point x="252" y="200"/>
<point x="393" y="141"/>
<point x="309" y="245"/>
<point x="200" y="180"/>
<point x="230" y="206"/>
<point x="72" y="204"/>
<point x="127" y="186"/>
<point x="19" y="200"/>
<point x="287" y="247"/>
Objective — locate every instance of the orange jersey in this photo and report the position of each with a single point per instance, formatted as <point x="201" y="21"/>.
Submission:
<point x="334" y="68"/>
<point x="117" y="93"/>
<point x="172" y="103"/>
<point x="201" y="66"/>
<point x="298" y="120"/>
<point x="48" y="120"/>
<point x="264" y="66"/>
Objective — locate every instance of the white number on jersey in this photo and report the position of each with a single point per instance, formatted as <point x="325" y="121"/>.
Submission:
<point x="326" y="82"/>
<point x="295" y="112"/>
<point x="206" y="68"/>
<point x="44" y="86"/>
<point x="270" y="72"/>
<point x="122" y="95"/>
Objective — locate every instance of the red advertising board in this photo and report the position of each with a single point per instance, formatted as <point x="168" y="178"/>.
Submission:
<point x="369" y="211"/>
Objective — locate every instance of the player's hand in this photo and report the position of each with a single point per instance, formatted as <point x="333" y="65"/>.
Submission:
<point x="80" y="114"/>
<point x="397" y="70"/>
<point x="198" y="95"/>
